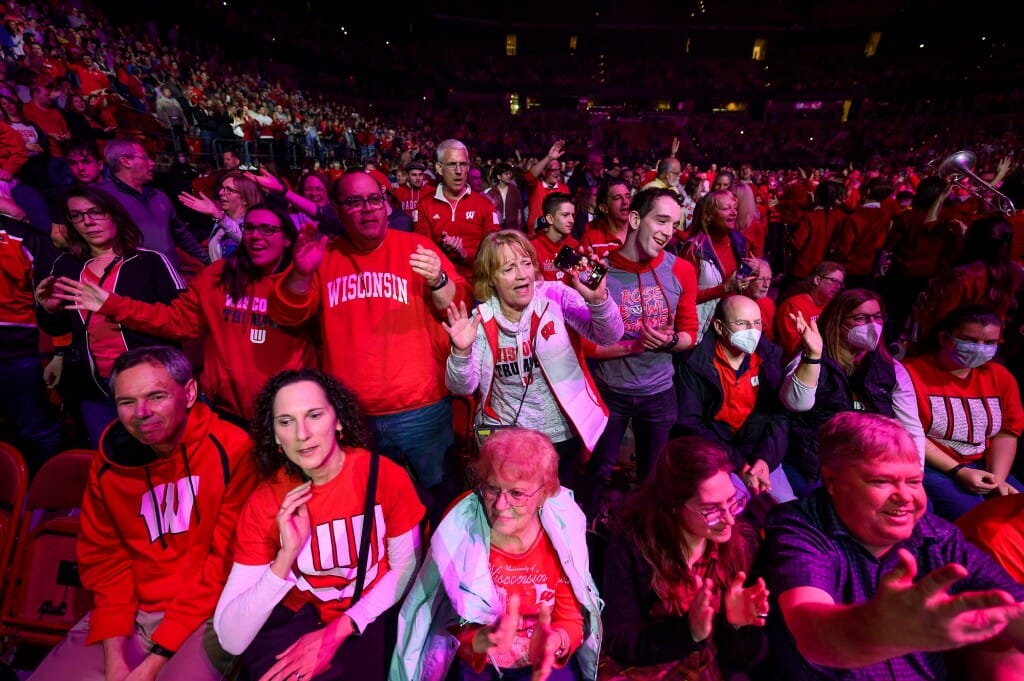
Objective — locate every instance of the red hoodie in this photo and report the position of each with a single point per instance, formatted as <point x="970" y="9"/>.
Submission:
<point x="242" y="349"/>
<point x="176" y="559"/>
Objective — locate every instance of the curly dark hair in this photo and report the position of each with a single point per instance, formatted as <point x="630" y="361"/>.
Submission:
<point x="268" y="457"/>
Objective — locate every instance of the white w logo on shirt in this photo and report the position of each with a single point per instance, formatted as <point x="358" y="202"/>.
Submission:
<point x="167" y="508"/>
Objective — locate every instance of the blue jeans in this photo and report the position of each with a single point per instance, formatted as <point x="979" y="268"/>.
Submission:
<point x="23" y="403"/>
<point x="419" y="437"/>
<point x="652" y="417"/>
<point x="949" y="498"/>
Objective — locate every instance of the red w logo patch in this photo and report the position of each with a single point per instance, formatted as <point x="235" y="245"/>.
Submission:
<point x="548" y="331"/>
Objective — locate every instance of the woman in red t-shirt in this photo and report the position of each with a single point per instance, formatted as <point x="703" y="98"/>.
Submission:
<point x="305" y="597"/>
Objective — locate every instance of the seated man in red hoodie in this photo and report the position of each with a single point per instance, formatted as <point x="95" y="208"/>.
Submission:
<point x="157" y="526"/>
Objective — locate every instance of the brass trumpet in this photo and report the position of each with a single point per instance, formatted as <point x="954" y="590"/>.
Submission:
<point x="959" y="165"/>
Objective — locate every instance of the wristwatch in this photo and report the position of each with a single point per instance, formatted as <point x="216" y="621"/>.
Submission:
<point x="441" y="283"/>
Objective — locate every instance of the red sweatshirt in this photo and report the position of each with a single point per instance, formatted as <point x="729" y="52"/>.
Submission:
<point x="175" y="558"/>
<point x="381" y="335"/>
<point x="242" y="349"/>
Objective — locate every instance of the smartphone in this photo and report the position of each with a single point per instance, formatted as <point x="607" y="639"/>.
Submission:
<point x="588" y="270"/>
<point x="744" y="270"/>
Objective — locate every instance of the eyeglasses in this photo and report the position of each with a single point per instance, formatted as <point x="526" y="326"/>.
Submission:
<point x="456" y="165"/>
<point x="354" y="203"/>
<point x="838" y="282"/>
<point x="265" y="230"/>
<point x="745" y="324"/>
<point x="716" y="516"/>
<point x="144" y="157"/>
<point x="515" y="498"/>
<point x="78" y="216"/>
<point x="229" y="190"/>
<point x="859" y="319"/>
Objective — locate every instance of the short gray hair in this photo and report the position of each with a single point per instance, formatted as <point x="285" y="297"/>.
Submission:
<point x="114" y="149"/>
<point x="447" y="144"/>
<point x="170" y="358"/>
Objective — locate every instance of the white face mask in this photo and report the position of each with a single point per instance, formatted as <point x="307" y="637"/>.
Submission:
<point x="972" y="355"/>
<point x="865" y="336"/>
<point x="745" y="340"/>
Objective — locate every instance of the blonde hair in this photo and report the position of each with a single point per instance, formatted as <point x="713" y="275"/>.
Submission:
<point x="488" y="259"/>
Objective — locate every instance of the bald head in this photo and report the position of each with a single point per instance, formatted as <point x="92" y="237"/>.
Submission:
<point x="738" y="308"/>
<point x="737" y="323"/>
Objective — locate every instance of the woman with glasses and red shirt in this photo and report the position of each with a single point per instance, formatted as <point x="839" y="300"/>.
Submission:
<point x="842" y="366"/>
<point x="505" y="591"/>
<point x="226" y="306"/>
<point x="677" y="602"/>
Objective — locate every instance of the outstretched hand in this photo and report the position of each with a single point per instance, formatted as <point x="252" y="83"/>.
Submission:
<point x="926" y="617"/>
<point x="80" y="295"/>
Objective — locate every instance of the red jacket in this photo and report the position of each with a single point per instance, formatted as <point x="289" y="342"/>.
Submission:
<point x="241" y="348"/>
<point x="176" y="559"/>
<point x="472" y="217"/>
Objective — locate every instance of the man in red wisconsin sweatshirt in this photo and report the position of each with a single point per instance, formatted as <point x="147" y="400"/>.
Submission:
<point x="157" y="528"/>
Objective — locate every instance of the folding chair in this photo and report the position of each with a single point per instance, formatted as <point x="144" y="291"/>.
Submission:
<point x="13" y="487"/>
<point x="43" y="597"/>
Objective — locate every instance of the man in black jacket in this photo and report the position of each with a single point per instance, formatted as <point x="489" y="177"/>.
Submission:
<point x="728" y="393"/>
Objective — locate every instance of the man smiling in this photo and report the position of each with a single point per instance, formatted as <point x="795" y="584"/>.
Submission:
<point x="844" y="565"/>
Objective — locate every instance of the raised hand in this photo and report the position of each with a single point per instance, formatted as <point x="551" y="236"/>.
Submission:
<point x="426" y="263"/>
<point x="591" y="295"/>
<point x="460" y="327"/>
<point x="701" y="614"/>
<point x="308" y="251"/>
<point x="745" y="607"/>
<point x="266" y="180"/>
<point x="293" y="523"/>
<point x="557" y="149"/>
<point x="810" y="337"/>
<point x="497" y="638"/>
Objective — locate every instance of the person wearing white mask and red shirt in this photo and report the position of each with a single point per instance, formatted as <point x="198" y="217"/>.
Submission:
<point x="970" y="410"/>
<point x="728" y="393"/>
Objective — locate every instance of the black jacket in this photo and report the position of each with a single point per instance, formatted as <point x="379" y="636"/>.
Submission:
<point x="765" y="433"/>
<point x="873" y="382"/>
<point x="145" y="275"/>
<point x="635" y="637"/>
